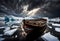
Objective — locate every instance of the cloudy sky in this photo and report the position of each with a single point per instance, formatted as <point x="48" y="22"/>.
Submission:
<point x="41" y="8"/>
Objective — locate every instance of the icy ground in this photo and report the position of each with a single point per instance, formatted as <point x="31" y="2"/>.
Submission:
<point x="46" y="37"/>
<point x="50" y="37"/>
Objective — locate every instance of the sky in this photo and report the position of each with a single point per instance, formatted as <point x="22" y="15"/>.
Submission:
<point x="47" y="8"/>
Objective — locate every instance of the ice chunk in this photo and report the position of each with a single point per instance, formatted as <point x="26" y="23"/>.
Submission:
<point x="55" y="24"/>
<point x="10" y="32"/>
<point x="50" y="37"/>
<point x="1" y="39"/>
<point x="57" y="29"/>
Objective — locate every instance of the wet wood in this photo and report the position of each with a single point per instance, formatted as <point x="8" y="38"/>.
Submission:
<point x="36" y="22"/>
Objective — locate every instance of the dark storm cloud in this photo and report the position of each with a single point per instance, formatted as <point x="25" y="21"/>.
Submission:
<point x="52" y="7"/>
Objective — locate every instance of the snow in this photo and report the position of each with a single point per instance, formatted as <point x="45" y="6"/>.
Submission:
<point x="17" y="21"/>
<point x="28" y="18"/>
<point x="2" y="18"/>
<point x="14" y="26"/>
<point x="49" y="26"/>
<point x="50" y="37"/>
<point x="1" y="34"/>
<point x="2" y="39"/>
<point x="6" y="29"/>
<point x="2" y="27"/>
<point x="54" y="24"/>
<point x="57" y="29"/>
<point x="10" y="32"/>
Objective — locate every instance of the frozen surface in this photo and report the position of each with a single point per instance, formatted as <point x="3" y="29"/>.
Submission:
<point x="10" y="32"/>
<point x="57" y="29"/>
<point x="1" y="34"/>
<point x="55" y="24"/>
<point x="14" y="26"/>
<point x="6" y="29"/>
<point x="1" y="27"/>
<point x="49" y="26"/>
<point x="1" y="39"/>
<point x="50" y="37"/>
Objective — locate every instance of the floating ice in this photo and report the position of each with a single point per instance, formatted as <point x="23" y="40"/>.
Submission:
<point x="57" y="29"/>
<point x="10" y="32"/>
<point x="50" y="37"/>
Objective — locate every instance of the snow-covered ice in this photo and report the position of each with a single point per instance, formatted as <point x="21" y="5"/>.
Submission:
<point x="1" y="39"/>
<point x="10" y="32"/>
<point x="57" y="29"/>
<point x="50" y="37"/>
<point x="55" y="24"/>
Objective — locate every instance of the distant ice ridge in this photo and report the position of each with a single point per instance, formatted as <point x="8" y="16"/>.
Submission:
<point x="17" y="20"/>
<point x="55" y="19"/>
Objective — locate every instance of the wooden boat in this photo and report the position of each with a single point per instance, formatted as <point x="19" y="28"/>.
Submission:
<point x="35" y="23"/>
<point x="36" y="28"/>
